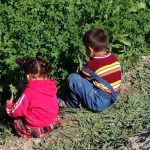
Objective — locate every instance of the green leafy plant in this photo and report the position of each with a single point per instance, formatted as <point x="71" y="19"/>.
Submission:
<point x="13" y="91"/>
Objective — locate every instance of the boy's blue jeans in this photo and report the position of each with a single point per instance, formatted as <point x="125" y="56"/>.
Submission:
<point x="80" y="90"/>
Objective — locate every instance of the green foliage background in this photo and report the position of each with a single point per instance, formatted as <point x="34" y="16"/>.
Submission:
<point x="54" y="29"/>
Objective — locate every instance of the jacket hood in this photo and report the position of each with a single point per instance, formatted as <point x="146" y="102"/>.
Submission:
<point x="46" y="87"/>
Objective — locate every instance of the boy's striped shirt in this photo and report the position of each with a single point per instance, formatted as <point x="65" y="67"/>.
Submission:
<point x="108" y="67"/>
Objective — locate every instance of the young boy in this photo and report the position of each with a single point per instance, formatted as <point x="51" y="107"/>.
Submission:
<point x="86" y="88"/>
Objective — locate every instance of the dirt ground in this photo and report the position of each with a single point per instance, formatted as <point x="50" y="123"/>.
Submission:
<point x="139" y="142"/>
<point x="70" y="131"/>
<point x="67" y="132"/>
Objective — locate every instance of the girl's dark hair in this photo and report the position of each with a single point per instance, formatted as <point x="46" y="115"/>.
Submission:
<point x="34" y="65"/>
<point x="96" y="39"/>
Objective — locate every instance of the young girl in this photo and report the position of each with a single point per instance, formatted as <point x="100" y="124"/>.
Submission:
<point x="35" y="112"/>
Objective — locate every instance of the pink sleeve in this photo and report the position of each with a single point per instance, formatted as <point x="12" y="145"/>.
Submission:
<point x="19" y="108"/>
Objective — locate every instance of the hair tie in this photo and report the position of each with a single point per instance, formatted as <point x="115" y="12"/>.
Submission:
<point x="24" y="62"/>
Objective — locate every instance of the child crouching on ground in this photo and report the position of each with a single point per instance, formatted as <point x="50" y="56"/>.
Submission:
<point x="35" y="112"/>
<point x="98" y="84"/>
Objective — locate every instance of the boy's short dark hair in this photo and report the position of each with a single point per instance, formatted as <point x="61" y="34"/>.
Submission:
<point x="96" y="39"/>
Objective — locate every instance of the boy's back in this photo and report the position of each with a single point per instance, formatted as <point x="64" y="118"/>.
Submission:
<point x="106" y="66"/>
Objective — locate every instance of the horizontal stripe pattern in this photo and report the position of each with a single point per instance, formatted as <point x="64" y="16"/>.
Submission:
<point x="115" y="86"/>
<point x="108" y="67"/>
<point x="110" y="72"/>
<point x="107" y="70"/>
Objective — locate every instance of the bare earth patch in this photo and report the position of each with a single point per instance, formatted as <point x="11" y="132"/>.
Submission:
<point x="140" y="142"/>
<point x="68" y="132"/>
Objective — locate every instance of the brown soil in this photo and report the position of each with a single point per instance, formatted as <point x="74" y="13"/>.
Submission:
<point x="140" y="142"/>
<point x="68" y="132"/>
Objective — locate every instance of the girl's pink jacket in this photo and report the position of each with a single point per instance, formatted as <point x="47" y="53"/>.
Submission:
<point x="38" y="104"/>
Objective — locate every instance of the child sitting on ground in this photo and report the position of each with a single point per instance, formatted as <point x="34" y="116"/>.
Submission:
<point x="35" y="112"/>
<point x="98" y="84"/>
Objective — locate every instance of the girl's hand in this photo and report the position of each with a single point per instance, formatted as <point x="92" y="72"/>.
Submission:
<point x="10" y="101"/>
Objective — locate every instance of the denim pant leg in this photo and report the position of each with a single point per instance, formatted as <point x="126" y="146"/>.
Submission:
<point x="80" y="90"/>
